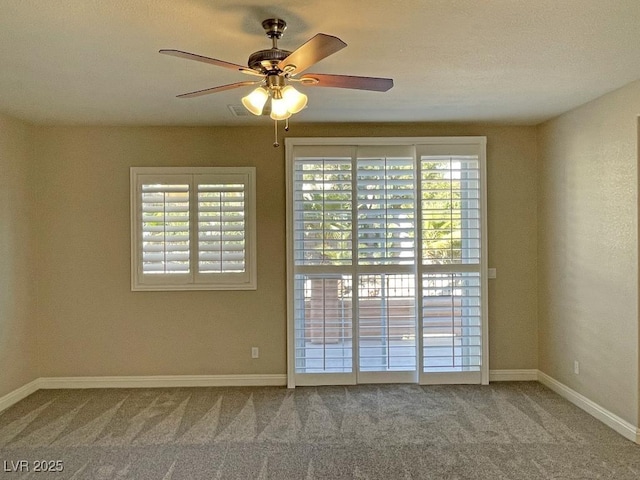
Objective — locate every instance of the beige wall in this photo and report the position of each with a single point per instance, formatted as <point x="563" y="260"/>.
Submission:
<point x="17" y="300"/>
<point x="92" y="324"/>
<point x="588" y="250"/>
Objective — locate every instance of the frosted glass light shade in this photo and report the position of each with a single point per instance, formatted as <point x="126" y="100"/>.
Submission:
<point x="279" y="109"/>
<point x="254" y="102"/>
<point x="296" y="101"/>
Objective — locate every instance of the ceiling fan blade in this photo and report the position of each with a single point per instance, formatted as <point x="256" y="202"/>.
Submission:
<point x="212" y="61"/>
<point x="220" y="88"/>
<point x="347" y="81"/>
<point x="314" y="50"/>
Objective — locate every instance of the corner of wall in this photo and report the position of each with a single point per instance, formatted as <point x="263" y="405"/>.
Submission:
<point x="17" y="311"/>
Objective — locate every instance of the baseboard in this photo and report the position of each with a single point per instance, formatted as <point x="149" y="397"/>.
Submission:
<point x="159" y="381"/>
<point x="164" y="381"/>
<point x="620" y="425"/>
<point x="18" y="394"/>
<point x="530" y="375"/>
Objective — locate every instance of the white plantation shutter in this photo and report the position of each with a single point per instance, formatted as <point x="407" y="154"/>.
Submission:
<point x="322" y="209"/>
<point x="165" y="227"/>
<point x="452" y="322"/>
<point x="386" y="205"/>
<point x="451" y="265"/>
<point x="221" y="225"/>
<point x="193" y="229"/>
<point x="386" y="251"/>
<point x="387" y="323"/>
<point x="387" y="244"/>
<point x="322" y="229"/>
<point x="450" y="208"/>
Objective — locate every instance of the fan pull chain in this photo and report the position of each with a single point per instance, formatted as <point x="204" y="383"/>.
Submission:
<point x="275" y="142"/>
<point x="286" y="125"/>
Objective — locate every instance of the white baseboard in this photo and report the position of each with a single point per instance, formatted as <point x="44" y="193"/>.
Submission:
<point x="19" y="394"/>
<point x="620" y="425"/>
<point x="159" y="381"/>
<point x="522" y="375"/>
<point x="164" y="381"/>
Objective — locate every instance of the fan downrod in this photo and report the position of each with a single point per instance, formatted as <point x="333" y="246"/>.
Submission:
<point x="266" y="61"/>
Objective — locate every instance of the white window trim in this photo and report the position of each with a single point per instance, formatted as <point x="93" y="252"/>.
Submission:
<point x="194" y="280"/>
<point x="473" y="141"/>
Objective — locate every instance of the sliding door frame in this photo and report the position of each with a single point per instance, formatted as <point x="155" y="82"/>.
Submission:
<point x="352" y="378"/>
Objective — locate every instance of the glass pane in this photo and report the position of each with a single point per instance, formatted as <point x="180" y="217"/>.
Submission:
<point x="322" y="211"/>
<point x="451" y="322"/>
<point x="386" y="206"/>
<point x="322" y="312"/>
<point x="450" y="222"/>
<point x="387" y="322"/>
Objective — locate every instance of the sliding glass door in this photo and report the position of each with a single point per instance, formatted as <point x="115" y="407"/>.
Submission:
<point x="385" y="263"/>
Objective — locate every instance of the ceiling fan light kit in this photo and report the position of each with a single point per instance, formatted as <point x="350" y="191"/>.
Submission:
<point x="285" y="99"/>
<point x="279" y="68"/>
<point x="295" y="100"/>
<point x="254" y="102"/>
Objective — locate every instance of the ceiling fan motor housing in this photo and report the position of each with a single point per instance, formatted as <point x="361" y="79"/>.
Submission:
<point x="267" y="60"/>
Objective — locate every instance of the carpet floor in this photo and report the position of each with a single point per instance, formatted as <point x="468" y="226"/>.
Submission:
<point x="511" y="430"/>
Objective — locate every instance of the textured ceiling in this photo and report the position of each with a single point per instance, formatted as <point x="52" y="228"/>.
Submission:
<point x="501" y="61"/>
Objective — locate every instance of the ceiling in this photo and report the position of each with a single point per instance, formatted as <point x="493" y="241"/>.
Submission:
<point x="499" y="61"/>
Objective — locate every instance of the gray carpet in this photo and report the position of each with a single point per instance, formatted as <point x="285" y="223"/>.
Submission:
<point x="501" y="431"/>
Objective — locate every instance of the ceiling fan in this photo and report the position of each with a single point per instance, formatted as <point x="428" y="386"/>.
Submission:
<point x="280" y="68"/>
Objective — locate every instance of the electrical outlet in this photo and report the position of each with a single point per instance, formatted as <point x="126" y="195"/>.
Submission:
<point x="255" y="352"/>
<point x="576" y="367"/>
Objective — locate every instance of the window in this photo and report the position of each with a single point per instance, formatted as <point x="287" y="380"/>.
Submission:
<point x="193" y="228"/>
<point x="387" y="260"/>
